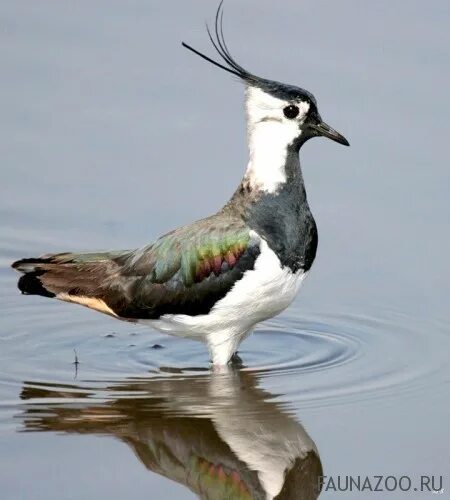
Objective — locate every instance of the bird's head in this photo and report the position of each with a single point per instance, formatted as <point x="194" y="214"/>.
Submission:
<point x="274" y="109"/>
<point x="287" y="111"/>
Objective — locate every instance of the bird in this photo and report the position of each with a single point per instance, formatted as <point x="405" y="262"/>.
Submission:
<point x="215" y="279"/>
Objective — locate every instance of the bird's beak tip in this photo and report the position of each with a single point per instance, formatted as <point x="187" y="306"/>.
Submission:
<point x="324" y="130"/>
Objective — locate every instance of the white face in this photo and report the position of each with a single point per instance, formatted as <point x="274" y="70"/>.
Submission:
<point x="270" y="132"/>
<point x="264" y="108"/>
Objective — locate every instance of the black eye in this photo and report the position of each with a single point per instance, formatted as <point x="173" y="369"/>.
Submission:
<point x="291" y="111"/>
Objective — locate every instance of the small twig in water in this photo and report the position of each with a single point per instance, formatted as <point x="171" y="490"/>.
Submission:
<point x="76" y="363"/>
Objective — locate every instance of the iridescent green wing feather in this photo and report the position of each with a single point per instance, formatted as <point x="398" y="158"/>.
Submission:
<point x="193" y="252"/>
<point x="188" y="270"/>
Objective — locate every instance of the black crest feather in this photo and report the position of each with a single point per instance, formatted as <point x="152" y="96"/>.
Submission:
<point x="218" y="41"/>
<point x="277" y="89"/>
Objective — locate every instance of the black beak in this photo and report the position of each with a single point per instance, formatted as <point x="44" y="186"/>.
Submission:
<point x="323" y="129"/>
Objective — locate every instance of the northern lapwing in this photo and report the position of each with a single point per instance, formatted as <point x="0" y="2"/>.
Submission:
<point x="213" y="280"/>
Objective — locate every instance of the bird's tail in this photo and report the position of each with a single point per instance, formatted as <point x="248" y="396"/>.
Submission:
<point x="82" y="278"/>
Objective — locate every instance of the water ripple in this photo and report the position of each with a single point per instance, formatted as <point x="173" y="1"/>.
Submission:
<point x="343" y="357"/>
<point x="313" y="360"/>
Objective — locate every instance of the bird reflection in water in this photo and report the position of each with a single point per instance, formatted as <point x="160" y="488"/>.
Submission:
<point x="217" y="433"/>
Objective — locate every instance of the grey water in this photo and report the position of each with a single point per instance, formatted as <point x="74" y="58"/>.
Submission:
<point x="112" y="134"/>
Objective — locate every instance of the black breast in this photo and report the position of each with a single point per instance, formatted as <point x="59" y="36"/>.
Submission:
<point x="285" y="221"/>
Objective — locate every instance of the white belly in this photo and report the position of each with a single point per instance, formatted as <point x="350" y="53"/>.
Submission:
<point x="261" y="293"/>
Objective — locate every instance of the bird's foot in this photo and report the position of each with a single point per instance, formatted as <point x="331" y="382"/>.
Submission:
<point x="236" y="361"/>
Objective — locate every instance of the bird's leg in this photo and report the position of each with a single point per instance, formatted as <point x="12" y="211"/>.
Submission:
<point x="223" y="346"/>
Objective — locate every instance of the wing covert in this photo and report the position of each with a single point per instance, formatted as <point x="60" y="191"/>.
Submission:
<point x="188" y="270"/>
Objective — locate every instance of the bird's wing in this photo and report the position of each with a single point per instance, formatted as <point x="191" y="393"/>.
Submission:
<point x="188" y="270"/>
<point x="184" y="272"/>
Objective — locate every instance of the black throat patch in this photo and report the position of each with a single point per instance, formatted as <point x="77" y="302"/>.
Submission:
<point x="283" y="218"/>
